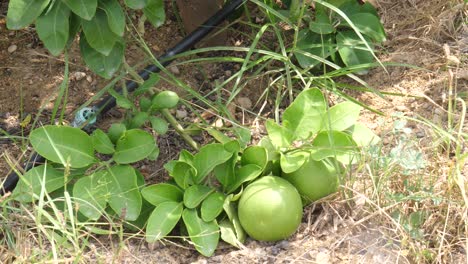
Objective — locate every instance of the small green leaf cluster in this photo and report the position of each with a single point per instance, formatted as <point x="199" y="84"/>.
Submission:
<point x="202" y="193"/>
<point x="148" y="109"/>
<point x="342" y="30"/>
<point x="96" y="183"/>
<point x="101" y="23"/>
<point x="314" y="143"/>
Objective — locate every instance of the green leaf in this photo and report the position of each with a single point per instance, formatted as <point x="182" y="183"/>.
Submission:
<point x="186" y="156"/>
<point x="195" y="194"/>
<point x="163" y="219"/>
<point x="212" y="206"/>
<point x="257" y="155"/>
<point x="101" y="142"/>
<point x="133" y="145"/>
<point x="244" y="174"/>
<point x="228" y="233"/>
<point x="334" y="144"/>
<point x="225" y="172"/>
<point x="121" y="100"/>
<point x="183" y="174"/>
<point x="292" y="161"/>
<point x="53" y="28"/>
<point x="363" y="136"/>
<point x="104" y="66"/>
<point x="74" y="23"/>
<point x="205" y="235"/>
<point x="91" y="194"/>
<point x="304" y="116"/>
<point x="65" y="145"/>
<point x="144" y="87"/>
<point x="279" y="136"/>
<point x="352" y="50"/>
<point x="86" y="9"/>
<point x="138" y="119"/>
<point x="31" y="183"/>
<point x="208" y="158"/>
<point x="115" y="131"/>
<point x="154" y="12"/>
<point x="21" y="13"/>
<point x="162" y="192"/>
<point x="234" y="219"/>
<point x="370" y="25"/>
<point x="341" y="116"/>
<point x="136" y="4"/>
<point x="125" y="198"/>
<point x="321" y="46"/>
<point x="322" y="24"/>
<point x="159" y="125"/>
<point x="154" y="154"/>
<point x="98" y="33"/>
<point x="115" y="16"/>
<point x="144" y="103"/>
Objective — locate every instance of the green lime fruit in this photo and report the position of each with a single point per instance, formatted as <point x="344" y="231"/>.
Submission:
<point x="314" y="179"/>
<point x="165" y="99"/>
<point x="270" y="209"/>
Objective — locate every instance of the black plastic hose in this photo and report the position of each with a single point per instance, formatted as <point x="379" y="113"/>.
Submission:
<point x="109" y="102"/>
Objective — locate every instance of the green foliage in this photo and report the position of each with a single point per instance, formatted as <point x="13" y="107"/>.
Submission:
<point x="345" y="31"/>
<point x="102" y="23"/>
<point x="314" y="142"/>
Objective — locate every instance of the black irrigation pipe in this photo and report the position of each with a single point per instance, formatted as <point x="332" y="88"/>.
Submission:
<point x="109" y="102"/>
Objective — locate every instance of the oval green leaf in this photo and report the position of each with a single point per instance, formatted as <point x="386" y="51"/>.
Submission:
<point x="115" y="16"/>
<point x="102" y="142"/>
<point x="155" y="13"/>
<point x="163" y="219"/>
<point x="205" y="235"/>
<point x="136" y="4"/>
<point x="65" y="145"/>
<point x="334" y="144"/>
<point x="292" y="161"/>
<point x="125" y="198"/>
<point x="115" y="131"/>
<point x="21" y="13"/>
<point x="98" y="33"/>
<point x="159" y="125"/>
<point x="53" y="28"/>
<point x="212" y="206"/>
<point x="162" y="192"/>
<point x="183" y="174"/>
<point x="86" y="9"/>
<point x="91" y="194"/>
<point x="341" y="116"/>
<point x="244" y="174"/>
<point x="352" y="50"/>
<point x="104" y="66"/>
<point x="32" y="182"/>
<point x="195" y="194"/>
<point x="134" y="145"/>
<point x="208" y="158"/>
<point x="257" y="155"/>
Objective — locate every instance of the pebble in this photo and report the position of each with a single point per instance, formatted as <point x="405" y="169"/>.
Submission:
<point x="12" y="48"/>
<point x="174" y="70"/>
<point x="79" y="75"/>
<point x="180" y="114"/>
<point x="401" y="108"/>
<point x="89" y="79"/>
<point x="244" y="102"/>
<point x="228" y="73"/>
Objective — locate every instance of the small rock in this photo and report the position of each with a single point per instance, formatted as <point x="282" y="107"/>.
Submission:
<point x="463" y="74"/>
<point x="89" y="79"/>
<point x="401" y="108"/>
<point x="244" y="102"/>
<point x="12" y="48"/>
<point x="174" y="70"/>
<point x="228" y="73"/>
<point x="79" y="75"/>
<point x="180" y="114"/>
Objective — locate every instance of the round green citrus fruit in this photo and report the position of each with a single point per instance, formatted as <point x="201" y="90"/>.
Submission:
<point x="270" y="209"/>
<point x="314" y="179"/>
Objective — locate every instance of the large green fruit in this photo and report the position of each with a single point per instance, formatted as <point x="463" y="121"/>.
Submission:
<point x="314" y="179"/>
<point x="270" y="209"/>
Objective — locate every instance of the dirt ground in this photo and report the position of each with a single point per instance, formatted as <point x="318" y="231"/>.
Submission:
<point x="423" y="33"/>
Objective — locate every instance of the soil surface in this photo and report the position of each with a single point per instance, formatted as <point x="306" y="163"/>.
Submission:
<point x="331" y="231"/>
